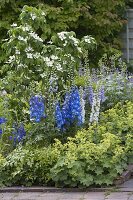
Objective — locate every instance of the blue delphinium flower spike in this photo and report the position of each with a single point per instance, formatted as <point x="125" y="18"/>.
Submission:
<point x="59" y="117"/>
<point x="2" y="121"/>
<point x="37" y="108"/>
<point x="102" y="94"/>
<point x="75" y="106"/>
<point x="66" y="110"/>
<point x="18" y="134"/>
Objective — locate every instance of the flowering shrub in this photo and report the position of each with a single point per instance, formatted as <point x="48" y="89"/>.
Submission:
<point x="41" y="72"/>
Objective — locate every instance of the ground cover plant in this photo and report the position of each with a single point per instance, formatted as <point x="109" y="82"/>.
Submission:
<point x="57" y="114"/>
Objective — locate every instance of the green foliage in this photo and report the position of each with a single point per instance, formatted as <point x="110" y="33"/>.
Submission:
<point x="129" y="3"/>
<point x="119" y="120"/>
<point x="103" y="20"/>
<point x="84" y="162"/>
<point x="99" y="152"/>
<point x="1" y="160"/>
<point x="28" y="165"/>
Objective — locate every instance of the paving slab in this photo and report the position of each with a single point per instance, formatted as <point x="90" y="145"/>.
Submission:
<point x="73" y="195"/>
<point x="130" y="197"/>
<point x="127" y="184"/>
<point x="94" y="196"/>
<point x="68" y="196"/>
<point x="118" y="196"/>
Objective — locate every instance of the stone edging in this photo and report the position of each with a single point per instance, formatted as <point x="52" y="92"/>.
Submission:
<point x="57" y="190"/>
<point x="125" y="176"/>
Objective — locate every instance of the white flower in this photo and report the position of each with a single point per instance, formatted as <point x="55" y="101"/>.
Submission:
<point x="79" y="49"/>
<point x="62" y="35"/>
<point x="3" y="93"/>
<point x="22" y="38"/>
<point x="35" y="36"/>
<point x="58" y="67"/>
<point x="65" y="43"/>
<point x="36" y="55"/>
<point x="87" y="40"/>
<point x="48" y="62"/>
<point x="29" y="55"/>
<point x="94" y="116"/>
<point x="29" y="49"/>
<point x="50" y="42"/>
<point x="43" y="75"/>
<point x="20" y="65"/>
<point x="26" y="28"/>
<point x="82" y="103"/>
<point x="11" y="59"/>
<point x="17" y="52"/>
<point x="64" y="62"/>
<point x="43" y="14"/>
<point x="33" y="16"/>
<point x="53" y="57"/>
<point x="75" y="40"/>
<point x="14" y="25"/>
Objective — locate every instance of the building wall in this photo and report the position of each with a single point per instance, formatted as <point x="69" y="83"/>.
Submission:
<point x="127" y="37"/>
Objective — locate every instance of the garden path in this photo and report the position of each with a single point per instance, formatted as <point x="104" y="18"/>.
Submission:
<point x="68" y="196"/>
<point x="125" y="192"/>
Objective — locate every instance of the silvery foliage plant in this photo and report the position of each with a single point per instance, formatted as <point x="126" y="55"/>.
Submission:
<point x="118" y="82"/>
<point x="106" y="85"/>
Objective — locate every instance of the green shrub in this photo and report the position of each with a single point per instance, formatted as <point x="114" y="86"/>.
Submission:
<point x="29" y="166"/>
<point x="92" y="157"/>
<point x="2" y="160"/>
<point x="84" y="162"/>
<point x="119" y="120"/>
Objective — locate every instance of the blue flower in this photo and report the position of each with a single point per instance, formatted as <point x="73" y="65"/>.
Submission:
<point x="2" y="121"/>
<point x="37" y="108"/>
<point x="71" y="109"/>
<point x="59" y="117"/>
<point x="102" y="94"/>
<point x="18" y="134"/>
<point x="75" y="106"/>
<point x="91" y="95"/>
<point x="66" y="110"/>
